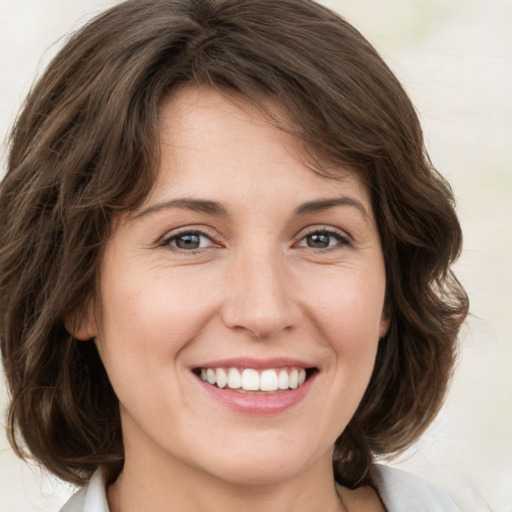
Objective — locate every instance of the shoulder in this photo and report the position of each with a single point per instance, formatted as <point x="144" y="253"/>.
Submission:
<point x="403" y="492"/>
<point x="90" y="498"/>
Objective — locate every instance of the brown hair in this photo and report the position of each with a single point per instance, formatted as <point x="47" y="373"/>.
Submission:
<point x="83" y="150"/>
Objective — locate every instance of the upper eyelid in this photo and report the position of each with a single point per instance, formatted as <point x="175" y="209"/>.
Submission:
<point x="176" y="232"/>
<point x="166" y="242"/>
<point x="341" y="238"/>
<point x="319" y="228"/>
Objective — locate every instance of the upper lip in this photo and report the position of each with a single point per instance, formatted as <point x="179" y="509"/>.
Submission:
<point x="257" y="364"/>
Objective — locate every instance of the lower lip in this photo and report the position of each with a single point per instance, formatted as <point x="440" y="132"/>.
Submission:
<point x="248" y="403"/>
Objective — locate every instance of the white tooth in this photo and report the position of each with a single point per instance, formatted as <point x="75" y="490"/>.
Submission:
<point x="302" y="376"/>
<point x="203" y="374"/>
<point x="234" y="379"/>
<point x="283" y="379"/>
<point x="210" y="376"/>
<point x="294" y="378"/>
<point x="222" y="377"/>
<point x="250" y="380"/>
<point x="269" y="380"/>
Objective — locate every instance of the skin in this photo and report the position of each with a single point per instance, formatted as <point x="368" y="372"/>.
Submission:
<point x="254" y="287"/>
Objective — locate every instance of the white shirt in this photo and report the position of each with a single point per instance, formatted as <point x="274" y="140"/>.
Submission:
<point x="400" y="492"/>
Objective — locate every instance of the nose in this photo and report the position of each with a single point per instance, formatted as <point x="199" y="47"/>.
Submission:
<point x="259" y="295"/>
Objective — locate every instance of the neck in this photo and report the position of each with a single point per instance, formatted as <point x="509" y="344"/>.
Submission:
<point x="167" y="486"/>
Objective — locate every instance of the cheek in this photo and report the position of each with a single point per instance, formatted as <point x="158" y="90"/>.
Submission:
<point x="349" y="308"/>
<point x="144" y="328"/>
<point x="348" y="313"/>
<point x="160" y="310"/>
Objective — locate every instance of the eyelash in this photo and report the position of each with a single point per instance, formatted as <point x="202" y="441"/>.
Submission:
<point x="167" y="242"/>
<point x="342" y="239"/>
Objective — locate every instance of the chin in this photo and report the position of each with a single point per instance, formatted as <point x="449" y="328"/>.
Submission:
<point x="263" y="463"/>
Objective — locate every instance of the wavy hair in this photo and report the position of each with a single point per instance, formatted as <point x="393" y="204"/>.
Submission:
<point x="85" y="148"/>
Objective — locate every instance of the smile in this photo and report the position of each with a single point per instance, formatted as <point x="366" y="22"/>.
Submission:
<point x="254" y="381"/>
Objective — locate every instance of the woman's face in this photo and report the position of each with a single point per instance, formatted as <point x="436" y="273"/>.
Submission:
<point x="246" y="268"/>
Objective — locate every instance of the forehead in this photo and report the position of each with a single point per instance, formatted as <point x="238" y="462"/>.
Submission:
<point x="210" y="138"/>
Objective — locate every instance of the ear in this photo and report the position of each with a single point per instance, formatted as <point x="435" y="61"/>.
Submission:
<point x="385" y="321"/>
<point x="384" y="327"/>
<point x="81" y="323"/>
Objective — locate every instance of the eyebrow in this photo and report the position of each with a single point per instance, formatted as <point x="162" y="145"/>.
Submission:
<point x="195" y="205"/>
<point x="214" y="208"/>
<point x="325" y="204"/>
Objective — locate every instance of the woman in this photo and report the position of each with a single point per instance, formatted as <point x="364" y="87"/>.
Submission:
<point x="225" y="264"/>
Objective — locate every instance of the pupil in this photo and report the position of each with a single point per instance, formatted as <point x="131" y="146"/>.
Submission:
<point x="188" y="241"/>
<point x="318" y="240"/>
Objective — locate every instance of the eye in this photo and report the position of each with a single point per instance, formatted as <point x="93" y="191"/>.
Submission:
<point x="324" y="239"/>
<point x="188" y="241"/>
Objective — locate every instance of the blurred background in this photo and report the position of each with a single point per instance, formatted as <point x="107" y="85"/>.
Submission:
<point x="454" y="57"/>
